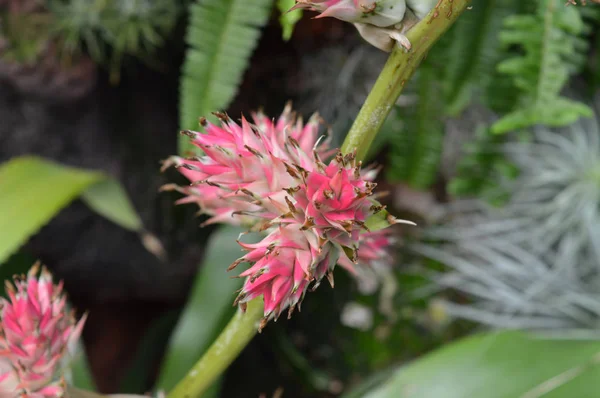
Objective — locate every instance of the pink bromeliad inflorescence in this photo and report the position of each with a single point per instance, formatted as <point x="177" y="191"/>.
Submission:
<point x="271" y="176"/>
<point x="36" y="334"/>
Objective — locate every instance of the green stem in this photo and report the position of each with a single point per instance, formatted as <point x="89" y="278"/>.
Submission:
<point x="232" y="340"/>
<point x="398" y="69"/>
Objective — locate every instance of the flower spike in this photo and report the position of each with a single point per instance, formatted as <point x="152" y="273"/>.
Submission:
<point x="274" y="176"/>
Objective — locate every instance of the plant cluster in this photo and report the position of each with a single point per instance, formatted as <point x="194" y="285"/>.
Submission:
<point x="521" y="252"/>
<point x="105" y="30"/>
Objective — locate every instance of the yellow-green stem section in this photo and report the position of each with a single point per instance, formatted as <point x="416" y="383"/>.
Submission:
<point x="398" y="69"/>
<point x="232" y="340"/>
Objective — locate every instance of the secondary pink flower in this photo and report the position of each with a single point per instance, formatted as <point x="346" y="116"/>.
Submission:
<point x="35" y="335"/>
<point x="373" y="248"/>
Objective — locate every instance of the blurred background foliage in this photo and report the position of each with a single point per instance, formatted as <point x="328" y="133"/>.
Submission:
<point x="493" y="148"/>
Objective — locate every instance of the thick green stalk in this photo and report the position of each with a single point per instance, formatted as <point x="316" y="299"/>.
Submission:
<point x="398" y="69"/>
<point x="232" y="340"/>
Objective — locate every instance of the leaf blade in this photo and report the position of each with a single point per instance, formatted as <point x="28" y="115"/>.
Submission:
<point x="34" y="190"/>
<point x="222" y="34"/>
<point x="109" y="199"/>
<point x="208" y="308"/>
<point x="481" y="365"/>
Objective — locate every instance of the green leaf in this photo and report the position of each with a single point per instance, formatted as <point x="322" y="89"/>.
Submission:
<point x="109" y="199"/>
<point x="560" y="112"/>
<point x="288" y="19"/>
<point x="482" y="165"/>
<point x="149" y="350"/>
<point x="208" y="309"/>
<point x="378" y="221"/>
<point x="415" y="151"/>
<point x="80" y="370"/>
<point x="552" y="51"/>
<point x="33" y="191"/>
<point x="383" y="219"/>
<point x="473" y="51"/>
<point x="222" y="34"/>
<point x="506" y="364"/>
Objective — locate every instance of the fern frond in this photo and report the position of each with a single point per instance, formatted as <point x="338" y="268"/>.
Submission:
<point x="594" y="65"/>
<point x="552" y="50"/>
<point x="474" y="50"/>
<point x="591" y="19"/>
<point x="480" y="168"/>
<point x="415" y="151"/>
<point x="222" y="35"/>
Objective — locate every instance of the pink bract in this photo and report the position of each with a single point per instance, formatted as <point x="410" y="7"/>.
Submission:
<point x="243" y="165"/>
<point x="283" y="265"/>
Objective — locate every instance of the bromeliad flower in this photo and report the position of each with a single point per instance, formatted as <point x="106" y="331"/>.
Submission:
<point x="36" y="334"/>
<point x="271" y="177"/>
